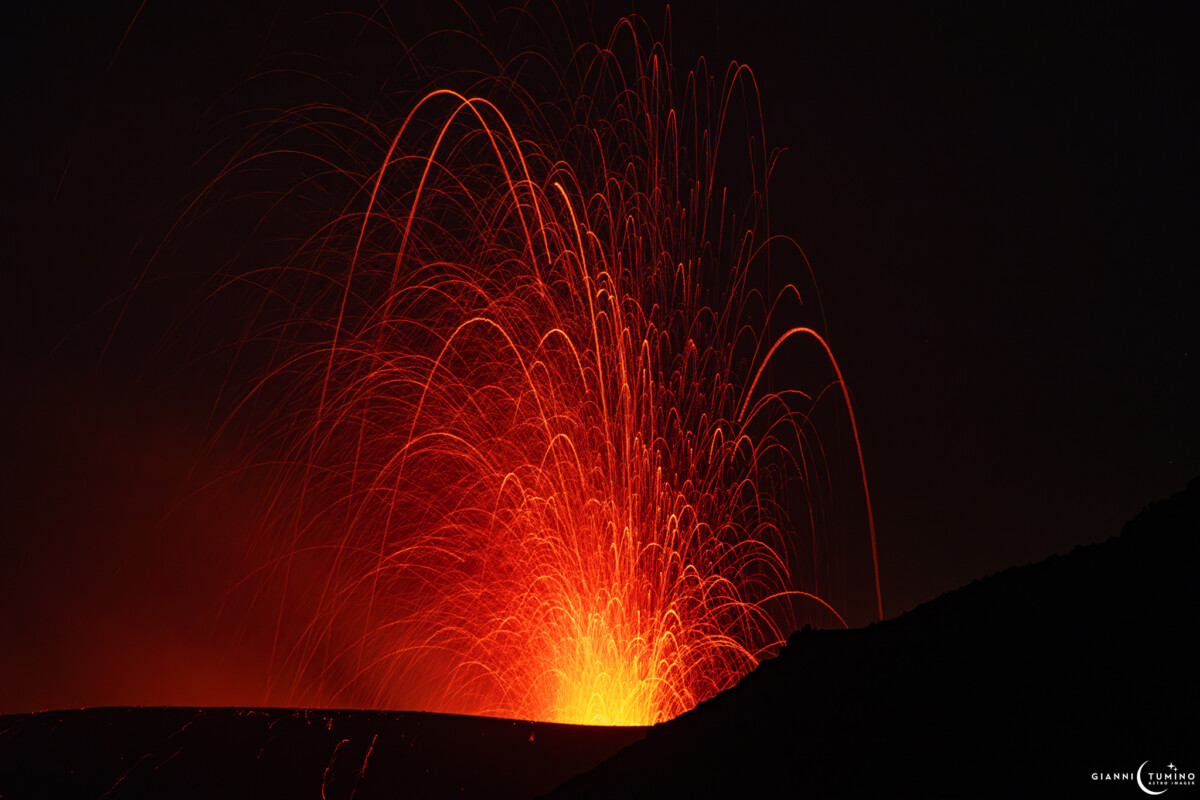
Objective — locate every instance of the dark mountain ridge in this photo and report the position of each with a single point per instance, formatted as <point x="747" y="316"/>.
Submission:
<point x="1070" y="677"/>
<point x="1026" y="683"/>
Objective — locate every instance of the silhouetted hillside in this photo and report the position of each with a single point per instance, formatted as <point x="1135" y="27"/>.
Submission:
<point x="1026" y="684"/>
<point x="1021" y="685"/>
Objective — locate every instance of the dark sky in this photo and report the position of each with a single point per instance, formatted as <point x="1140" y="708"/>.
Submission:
<point x="998" y="205"/>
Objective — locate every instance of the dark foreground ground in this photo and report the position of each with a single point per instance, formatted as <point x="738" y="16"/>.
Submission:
<point x="282" y="753"/>
<point x="1073" y="677"/>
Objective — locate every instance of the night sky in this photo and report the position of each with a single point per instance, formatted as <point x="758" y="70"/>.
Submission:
<point x="998" y="206"/>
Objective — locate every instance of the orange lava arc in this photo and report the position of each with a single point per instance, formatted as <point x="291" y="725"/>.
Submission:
<point x="523" y="456"/>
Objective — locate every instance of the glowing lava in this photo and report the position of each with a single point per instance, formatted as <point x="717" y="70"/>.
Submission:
<point x="522" y="461"/>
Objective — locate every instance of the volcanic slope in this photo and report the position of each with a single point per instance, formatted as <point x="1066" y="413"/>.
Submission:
<point x="1025" y="684"/>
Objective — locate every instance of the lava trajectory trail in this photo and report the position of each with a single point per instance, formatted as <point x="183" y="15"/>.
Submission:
<point x="524" y="451"/>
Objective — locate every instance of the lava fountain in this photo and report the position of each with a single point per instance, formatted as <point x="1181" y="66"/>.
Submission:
<point x="523" y="456"/>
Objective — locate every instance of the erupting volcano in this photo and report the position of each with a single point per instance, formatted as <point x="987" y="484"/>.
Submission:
<point x="526" y="455"/>
<point x="389" y="385"/>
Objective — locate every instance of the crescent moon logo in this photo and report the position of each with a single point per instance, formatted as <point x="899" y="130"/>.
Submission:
<point x="1141" y="785"/>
